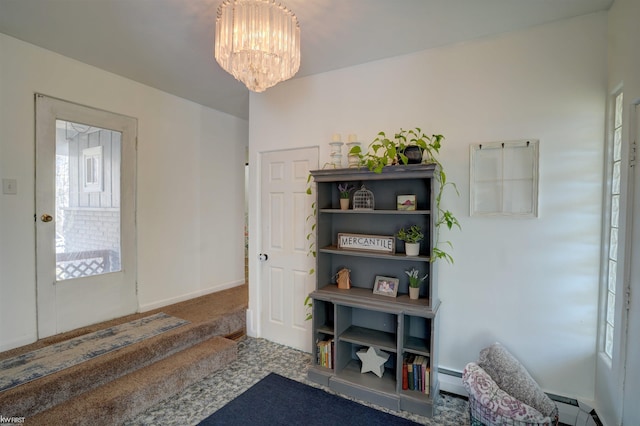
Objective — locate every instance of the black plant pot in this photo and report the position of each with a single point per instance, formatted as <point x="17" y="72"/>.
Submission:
<point x="414" y="154"/>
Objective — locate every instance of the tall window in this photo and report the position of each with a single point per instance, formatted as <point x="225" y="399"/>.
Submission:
<point x="613" y="228"/>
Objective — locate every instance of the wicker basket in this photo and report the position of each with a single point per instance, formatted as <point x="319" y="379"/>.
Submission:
<point x="480" y="415"/>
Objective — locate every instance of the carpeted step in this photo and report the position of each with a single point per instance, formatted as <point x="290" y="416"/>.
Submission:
<point x="31" y="398"/>
<point x="121" y="399"/>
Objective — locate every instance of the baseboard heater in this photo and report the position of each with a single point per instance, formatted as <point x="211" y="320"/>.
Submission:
<point x="572" y="411"/>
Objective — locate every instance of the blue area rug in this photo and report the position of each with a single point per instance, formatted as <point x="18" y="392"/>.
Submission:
<point x="39" y="363"/>
<point x="276" y="400"/>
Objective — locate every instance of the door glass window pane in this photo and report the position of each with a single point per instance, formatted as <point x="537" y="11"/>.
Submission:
<point x="618" y="111"/>
<point x="611" y="285"/>
<point x="87" y="200"/>
<point x="615" y="211"/>
<point x="615" y="184"/>
<point x="613" y="244"/>
<point x="617" y="144"/>
<point x="608" y="340"/>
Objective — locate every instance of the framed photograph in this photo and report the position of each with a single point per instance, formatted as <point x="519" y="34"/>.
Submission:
<point x="406" y="202"/>
<point x="386" y="286"/>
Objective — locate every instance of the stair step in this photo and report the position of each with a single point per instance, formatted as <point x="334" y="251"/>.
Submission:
<point x="34" y="397"/>
<point x="127" y="396"/>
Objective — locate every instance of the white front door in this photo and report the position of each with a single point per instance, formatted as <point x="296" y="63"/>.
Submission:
<point x="85" y="215"/>
<point x="631" y="410"/>
<point x="284" y="277"/>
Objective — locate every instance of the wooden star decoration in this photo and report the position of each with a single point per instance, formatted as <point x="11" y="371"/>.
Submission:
<point x="373" y="360"/>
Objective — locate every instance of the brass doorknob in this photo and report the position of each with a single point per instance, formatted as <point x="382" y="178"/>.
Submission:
<point x="46" y="218"/>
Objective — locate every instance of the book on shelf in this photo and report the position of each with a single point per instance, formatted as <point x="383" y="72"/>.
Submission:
<point x="325" y="353"/>
<point x="405" y="376"/>
<point x="416" y="373"/>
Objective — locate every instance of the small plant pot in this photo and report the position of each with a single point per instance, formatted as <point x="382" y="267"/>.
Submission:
<point x="414" y="154"/>
<point x="414" y="293"/>
<point x="344" y="204"/>
<point x="412" y="249"/>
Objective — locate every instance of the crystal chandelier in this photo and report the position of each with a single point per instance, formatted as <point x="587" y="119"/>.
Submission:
<point x="258" y="42"/>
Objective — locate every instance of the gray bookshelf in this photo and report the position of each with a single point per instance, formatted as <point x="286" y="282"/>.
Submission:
<point x="356" y="318"/>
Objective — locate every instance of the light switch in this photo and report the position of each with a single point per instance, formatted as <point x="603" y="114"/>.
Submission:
<point x="9" y="186"/>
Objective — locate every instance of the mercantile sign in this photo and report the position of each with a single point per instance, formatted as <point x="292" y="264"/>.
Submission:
<point x="374" y="243"/>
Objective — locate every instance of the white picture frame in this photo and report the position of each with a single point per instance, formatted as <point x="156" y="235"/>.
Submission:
<point x="504" y="178"/>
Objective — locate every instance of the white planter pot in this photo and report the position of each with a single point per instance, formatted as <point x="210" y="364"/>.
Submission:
<point x="414" y="293"/>
<point x="412" y="249"/>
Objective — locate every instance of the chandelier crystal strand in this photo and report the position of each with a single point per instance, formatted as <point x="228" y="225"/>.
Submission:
<point x="258" y="42"/>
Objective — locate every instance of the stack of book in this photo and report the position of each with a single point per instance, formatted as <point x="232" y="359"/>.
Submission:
<point x="415" y="373"/>
<point x="325" y="353"/>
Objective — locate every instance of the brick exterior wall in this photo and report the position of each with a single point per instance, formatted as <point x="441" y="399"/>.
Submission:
<point x="93" y="229"/>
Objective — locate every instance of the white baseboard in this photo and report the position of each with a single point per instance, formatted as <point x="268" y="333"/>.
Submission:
<point x="251" y="329"/>
<point x="22" y="341"/>
<point x="162" y="303"/>
<point x="451" y="381"/>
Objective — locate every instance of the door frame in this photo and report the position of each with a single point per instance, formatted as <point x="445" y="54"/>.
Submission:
<point x="47" y="111"/>
<point x="631" y="369"/>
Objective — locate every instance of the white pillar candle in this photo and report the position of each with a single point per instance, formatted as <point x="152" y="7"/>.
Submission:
<point x="336" y="137"/>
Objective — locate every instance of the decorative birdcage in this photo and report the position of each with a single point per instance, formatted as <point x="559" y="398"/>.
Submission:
<point x="363" y="199"/>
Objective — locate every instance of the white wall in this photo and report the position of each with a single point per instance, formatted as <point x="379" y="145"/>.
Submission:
<point x="531" y="284"/>
<point x="190" y="190"/>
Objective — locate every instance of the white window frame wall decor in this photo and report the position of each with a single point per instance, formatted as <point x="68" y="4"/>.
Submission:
<point x="92" y="176"/>
<point x="504" y="178"/>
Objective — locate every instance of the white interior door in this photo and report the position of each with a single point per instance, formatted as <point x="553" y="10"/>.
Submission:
<point x="284" y="277"/>
<point x="85" y="215"/>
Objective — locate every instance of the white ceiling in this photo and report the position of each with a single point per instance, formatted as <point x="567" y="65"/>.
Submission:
<point x="168" y="44"/>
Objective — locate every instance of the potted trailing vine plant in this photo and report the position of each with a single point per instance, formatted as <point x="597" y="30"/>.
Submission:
<point x="414" y="282"/>
<point x="406" y="147"/>
<point x="411" y="237"/>
<point x="384" y="151"/>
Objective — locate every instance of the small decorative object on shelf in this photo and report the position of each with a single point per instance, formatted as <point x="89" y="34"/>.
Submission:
<point x="414" y="283"/>
<point x="336" y="150"/>
<point x="363" y="199"/>
<point x="344" y="189"/>
<point x="372" y="360"/>
<point x="386" y="286"/>
<point x="406" y="202"/>
<point x="343" y="279"/>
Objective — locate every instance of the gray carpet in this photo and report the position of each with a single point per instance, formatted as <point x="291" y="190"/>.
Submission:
<point x="256" y="359"/>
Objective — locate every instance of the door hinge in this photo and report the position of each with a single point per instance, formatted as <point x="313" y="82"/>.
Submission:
<point x="632" y="154"/>
<point x="627" y="296"/>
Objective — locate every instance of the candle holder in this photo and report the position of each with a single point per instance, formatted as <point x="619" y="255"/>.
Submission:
<point x="336" y="152"/>
<point x="353" y="159"/>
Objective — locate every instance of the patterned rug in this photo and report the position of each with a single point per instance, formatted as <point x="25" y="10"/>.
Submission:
<point x="39" y="363"/>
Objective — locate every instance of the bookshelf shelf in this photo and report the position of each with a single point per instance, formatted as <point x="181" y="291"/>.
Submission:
<point x="369" y="337"/>
<point x="396" y="256"/>
<point x="346" y="321"/>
